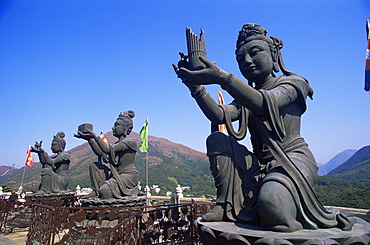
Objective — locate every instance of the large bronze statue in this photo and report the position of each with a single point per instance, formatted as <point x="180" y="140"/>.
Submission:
<point x="273" y="185"/>
<point x="114" y="175"/>
<point x="54" y="175"/>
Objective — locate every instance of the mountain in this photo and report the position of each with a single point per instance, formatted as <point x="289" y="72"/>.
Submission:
<point x="336" y="161"/>
<point x="5" y="170"/>
<point x="170" y="164"/>
<point x="355" y="168"/>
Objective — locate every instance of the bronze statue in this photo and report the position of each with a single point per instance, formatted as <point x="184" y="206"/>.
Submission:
<point x="114" y="175"/>
<point x="54" y="175"/>
<point x="273" y="185"/>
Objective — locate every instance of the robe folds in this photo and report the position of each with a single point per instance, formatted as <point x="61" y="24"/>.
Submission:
<point x="279" y="155"/>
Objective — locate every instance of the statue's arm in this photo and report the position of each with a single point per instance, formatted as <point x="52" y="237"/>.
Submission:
<point x="246" y="95"/>
<point x="239" y="90"/>
<point x="51" y="161"/>
<point x="95" y="147"/>
<point x="104" y="148"/>
<point x="210" y="108"/>
<point x="41" y="157"/>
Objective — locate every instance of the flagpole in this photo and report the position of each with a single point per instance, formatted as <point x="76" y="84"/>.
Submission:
<point x="147" y="169"/>
<point x="21" y="187"/>
<point x="144" y="148"/>
<point x="29" y="162"/>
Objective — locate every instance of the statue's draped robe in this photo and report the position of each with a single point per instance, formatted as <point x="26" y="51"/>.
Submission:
<point x="280" y="154"/>
<point x="53" y="181"/>
<point x="127" y="184"/>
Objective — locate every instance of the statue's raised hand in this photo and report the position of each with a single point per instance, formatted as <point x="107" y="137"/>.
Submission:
<point x="211" y="74"/>
<point x="37" y="147"/>
<point x="85" y="135"/>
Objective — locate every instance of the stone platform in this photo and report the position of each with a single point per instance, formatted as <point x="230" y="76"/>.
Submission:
<point x="120" y="203"/>
<point x="236" y="233"/>
<point x="54" y="194"/>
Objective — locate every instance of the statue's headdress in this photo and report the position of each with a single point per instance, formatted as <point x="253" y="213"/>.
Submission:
<point x="59" y="137"/>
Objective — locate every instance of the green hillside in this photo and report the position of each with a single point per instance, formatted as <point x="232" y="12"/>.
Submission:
<point x="343" y="193"/>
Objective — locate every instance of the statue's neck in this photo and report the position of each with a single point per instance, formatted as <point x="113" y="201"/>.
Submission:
<point x="122" y="137"/>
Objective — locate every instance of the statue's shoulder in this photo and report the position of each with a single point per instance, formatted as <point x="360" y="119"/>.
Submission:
<point x="64" y="156"/>
<point x="292" y="79"/>
<point x="130" y="142"/>
<point x="298" y="82"/>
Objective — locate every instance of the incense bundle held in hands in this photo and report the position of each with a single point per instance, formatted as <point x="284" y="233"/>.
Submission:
<point x="196" y="49"/>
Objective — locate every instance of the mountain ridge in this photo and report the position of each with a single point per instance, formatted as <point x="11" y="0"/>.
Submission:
<point x="336" y="161"/>
<point x="356" y="167"/>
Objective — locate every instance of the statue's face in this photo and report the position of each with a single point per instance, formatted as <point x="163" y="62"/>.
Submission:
<point x="55" y="147"/>
<point x="255" y="61"/>
<point x="119" y="128"/>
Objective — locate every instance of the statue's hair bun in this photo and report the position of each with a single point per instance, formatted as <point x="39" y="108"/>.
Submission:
<point x="61" y="134"/>
<point x="131" y="113"/>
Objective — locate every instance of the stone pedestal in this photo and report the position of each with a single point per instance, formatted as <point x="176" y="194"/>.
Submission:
<point x="114" y="203"/>
<point x="121" y="204"/>
<point x="100" y="215"/>
<point x="236" y="233"/>
<point x="54" y="194"/>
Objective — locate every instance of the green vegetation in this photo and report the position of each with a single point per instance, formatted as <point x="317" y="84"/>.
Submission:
<point x="174" y="170"/>
<point x="343" y="193"/>
<point x="6" y="188"/>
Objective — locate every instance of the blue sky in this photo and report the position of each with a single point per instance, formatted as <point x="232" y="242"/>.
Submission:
<point x="66" y="62"/>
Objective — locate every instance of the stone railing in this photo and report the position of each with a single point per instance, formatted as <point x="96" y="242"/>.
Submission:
<point x="361" y="213"/>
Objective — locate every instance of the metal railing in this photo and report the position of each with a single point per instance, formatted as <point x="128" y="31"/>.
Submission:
<point x="164" y="224"/>
<point x="16" y="212"/>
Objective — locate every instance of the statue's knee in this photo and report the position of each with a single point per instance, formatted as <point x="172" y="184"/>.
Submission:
<point x="104" y="192"/>
<point x="276" y="204"/>
<point x="272" y="193"/>
<point x="46" y="171"/>
<point x="218" y="143"/>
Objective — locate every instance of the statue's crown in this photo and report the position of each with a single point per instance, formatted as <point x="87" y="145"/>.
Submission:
<point x="250" y="31"/>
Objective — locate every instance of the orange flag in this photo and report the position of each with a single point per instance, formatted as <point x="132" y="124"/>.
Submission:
<point x="103" y="138"/>
<point x="222" y="127"/>
<point x="29" y="159"/>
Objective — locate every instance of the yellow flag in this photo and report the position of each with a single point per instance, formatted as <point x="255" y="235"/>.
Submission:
<point x="222" y="127"/>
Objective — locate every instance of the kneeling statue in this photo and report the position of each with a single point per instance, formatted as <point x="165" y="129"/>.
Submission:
<point x="114" y="175"/>
<point x="272" y="186"/>
<point x="54" y="175"/>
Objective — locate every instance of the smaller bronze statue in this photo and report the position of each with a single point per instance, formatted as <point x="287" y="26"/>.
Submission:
<point x="114" y="175"/>
<point x="54" y="175"/>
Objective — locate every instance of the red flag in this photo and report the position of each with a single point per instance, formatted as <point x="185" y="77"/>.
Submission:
<point x="29" y="159"/>
<point x="103" y="138"/>
<point x="222" y="127"/>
